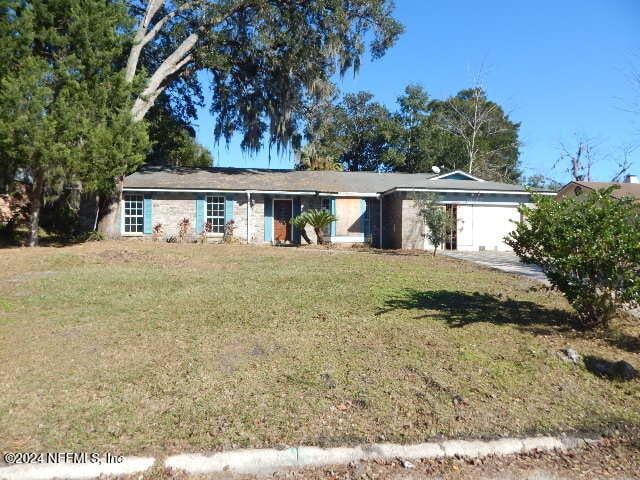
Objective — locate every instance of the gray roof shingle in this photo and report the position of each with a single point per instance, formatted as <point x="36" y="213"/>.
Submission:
<point x="243" y="179"/>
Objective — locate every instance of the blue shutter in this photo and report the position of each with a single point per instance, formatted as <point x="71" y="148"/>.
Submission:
<point x="268" y="219"/>
<point x="364" y="210"/>
<point x="201" y="204"/>
<point x="228" y="208"/>
<point x="297" y="208"/>
<point x="147" y="214"/>
<point x="332" y="206"/>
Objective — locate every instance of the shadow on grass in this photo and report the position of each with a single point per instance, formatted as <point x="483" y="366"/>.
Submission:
<point x="461" y="308"/>
<point x="613" y="370"/>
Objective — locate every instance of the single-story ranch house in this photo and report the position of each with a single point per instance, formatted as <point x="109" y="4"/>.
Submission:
<point x="371" y="207"/>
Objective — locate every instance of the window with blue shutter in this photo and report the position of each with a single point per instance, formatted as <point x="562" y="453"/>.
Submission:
<point x="148" y="205"/>
<point x="297" y="208"/>
<point x="268" y="219"/>
<point x="228" y="208"/>
<point x="200" y="207"/>
<point x="332" y="205"/>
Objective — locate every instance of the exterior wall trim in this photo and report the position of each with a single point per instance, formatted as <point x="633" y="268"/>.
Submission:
<point x="216" y="190"/>
<point x="451" y="190"/>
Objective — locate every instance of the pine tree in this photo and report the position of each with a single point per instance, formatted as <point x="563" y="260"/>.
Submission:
<point x="64" y="103"/>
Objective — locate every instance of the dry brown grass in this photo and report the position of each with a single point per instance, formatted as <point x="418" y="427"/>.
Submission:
<point x="136" y="347"/>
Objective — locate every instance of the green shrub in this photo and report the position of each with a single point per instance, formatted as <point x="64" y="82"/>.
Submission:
<point x="589" y="248"/>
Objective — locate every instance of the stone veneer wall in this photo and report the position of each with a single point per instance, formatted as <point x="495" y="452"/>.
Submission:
<point x="169" y="208"/>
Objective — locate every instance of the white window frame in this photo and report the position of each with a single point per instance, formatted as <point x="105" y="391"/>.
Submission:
<point x="217" y="228"/>
<point x="139" y="209"/>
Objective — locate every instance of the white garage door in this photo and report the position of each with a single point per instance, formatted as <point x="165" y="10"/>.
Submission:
<point x="485" y="226"/>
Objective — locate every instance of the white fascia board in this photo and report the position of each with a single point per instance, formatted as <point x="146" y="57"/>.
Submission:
<point x="451" y="190"/>
<point x="349" y="194"/>
<point x="458" y="172"/>
<point x="498" y="204"/>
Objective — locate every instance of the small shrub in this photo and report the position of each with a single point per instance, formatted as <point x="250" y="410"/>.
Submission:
<point x="228" y="235"/>
<point x="589" y="248"/>
<point x="206" y="229"/>
<point x="158" y="232"/>
<point x="183" y="229"/>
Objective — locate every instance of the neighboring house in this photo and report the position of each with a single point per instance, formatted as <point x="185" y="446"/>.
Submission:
<point x="630" y="187"/>
<point x="371" y="207"/>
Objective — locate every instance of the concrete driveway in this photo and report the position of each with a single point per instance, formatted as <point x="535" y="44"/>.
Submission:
<point x="504" y="261"/>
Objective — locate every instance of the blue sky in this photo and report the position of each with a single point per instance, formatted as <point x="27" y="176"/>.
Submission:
<point x="560" y="68"/>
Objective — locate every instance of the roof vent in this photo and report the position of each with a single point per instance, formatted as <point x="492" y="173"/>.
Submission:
<point x="631" y="179"/>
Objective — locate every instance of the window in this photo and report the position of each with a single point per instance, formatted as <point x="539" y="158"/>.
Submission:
<point x="215" y="213"/>
<point x="133" y="214"/>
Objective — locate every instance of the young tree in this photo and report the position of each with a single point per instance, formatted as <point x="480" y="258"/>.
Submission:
<point x="435" y="217"/>
<point x="63" y="105"/>
<point x="588" y="246"/>
<point x="266" y="59"/>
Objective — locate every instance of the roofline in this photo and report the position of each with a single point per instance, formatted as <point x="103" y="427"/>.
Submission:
<point x="331" y="194"/>
<point x="462" y="172"/>
<point x="218" y="190"/>
<point x="457" y="190"/>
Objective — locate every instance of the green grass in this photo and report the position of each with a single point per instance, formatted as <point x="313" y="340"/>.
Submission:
<point x="134" y="347"/>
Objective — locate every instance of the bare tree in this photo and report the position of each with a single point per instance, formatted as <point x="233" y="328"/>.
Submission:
<point x="579" y="159"/>
<point x="624" y="162"/>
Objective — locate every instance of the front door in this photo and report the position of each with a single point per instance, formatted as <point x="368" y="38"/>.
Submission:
<point x="282" y="210"/>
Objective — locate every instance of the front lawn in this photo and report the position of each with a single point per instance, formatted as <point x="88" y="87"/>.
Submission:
<point x="136" y="347"/>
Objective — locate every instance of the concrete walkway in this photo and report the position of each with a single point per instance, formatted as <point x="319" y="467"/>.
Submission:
<point x="503" y="261"/>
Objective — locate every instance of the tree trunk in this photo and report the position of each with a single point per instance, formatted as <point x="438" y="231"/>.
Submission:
<point x="319" y="235"/>
<point x="303" y="234"/>
<point x="108" y="224"/>
<point x="435" y="249"/>
<point x="36" y="205"/>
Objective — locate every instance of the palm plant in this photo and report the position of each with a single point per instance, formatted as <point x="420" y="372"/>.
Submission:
<point x="300" y="222"/>
<point x="317" y="219"/>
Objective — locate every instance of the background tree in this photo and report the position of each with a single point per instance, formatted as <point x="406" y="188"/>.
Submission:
<point x="266" y="59"/>
<point x="173" y="140"/>
<point x="588" y="247"/>
<point x="419" y="143"/>
<point x="488" y="136"/>
<point x="355" y="132"/>
<point x="64" y="108"/>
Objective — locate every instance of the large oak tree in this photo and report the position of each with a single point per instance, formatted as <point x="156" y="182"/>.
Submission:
<point x="266" y="59"/>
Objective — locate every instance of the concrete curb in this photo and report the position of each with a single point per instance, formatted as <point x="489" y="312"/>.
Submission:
<point x="268" y="461"/>
<point x="47" y="471"/>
